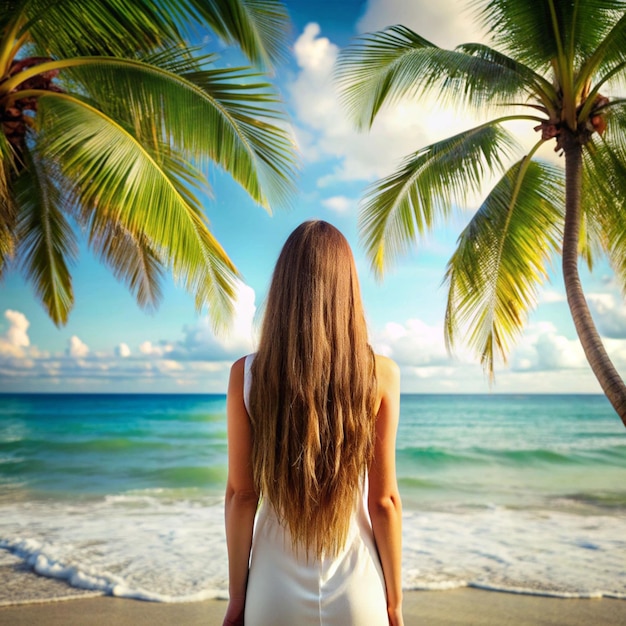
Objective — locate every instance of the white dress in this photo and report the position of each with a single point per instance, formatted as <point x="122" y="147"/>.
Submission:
<point x="286" y="589"/>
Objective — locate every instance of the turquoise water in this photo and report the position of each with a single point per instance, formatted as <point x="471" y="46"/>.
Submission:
<point x="524" y="493"/>
<point x="516" y="450"/>
<point x="88" y="445"/>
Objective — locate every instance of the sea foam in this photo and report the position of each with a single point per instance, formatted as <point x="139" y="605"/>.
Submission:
<point x="154" y="547"/>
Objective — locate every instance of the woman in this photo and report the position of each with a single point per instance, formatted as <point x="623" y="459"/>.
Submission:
<point x="312" y="421"/>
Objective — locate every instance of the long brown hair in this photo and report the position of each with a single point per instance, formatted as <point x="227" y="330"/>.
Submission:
<point x="313" y="390"/>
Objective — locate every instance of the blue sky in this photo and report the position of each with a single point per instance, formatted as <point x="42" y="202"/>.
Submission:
<point x="110" y="345"/>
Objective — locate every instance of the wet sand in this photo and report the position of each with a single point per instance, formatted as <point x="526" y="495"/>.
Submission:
<point x="433" y="608"/>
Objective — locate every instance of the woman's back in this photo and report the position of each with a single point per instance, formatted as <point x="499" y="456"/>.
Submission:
<point x="287" y="587"/>
<point x="313" y="390"/>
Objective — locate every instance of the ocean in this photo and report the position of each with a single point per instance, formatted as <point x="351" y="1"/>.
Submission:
<point x="123" y="494"/>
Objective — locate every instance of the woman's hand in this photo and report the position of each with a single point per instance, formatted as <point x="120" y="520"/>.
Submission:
<point x="234" y="612"/>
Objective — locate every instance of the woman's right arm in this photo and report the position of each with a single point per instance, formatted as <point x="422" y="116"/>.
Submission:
<point x="385" y="506"/>
<point x="241" y="497"/>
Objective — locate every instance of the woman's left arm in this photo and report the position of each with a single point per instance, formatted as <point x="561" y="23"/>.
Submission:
<point x="241" y="496"/>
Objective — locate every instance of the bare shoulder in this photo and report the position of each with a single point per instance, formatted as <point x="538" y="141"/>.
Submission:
<point x="237" y="370"/>
<point x="387" y="382"/>
<point x="387" y="371"/>
<point x="238" y="365"/>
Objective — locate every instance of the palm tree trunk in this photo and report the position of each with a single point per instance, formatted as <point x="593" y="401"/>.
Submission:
<point x="608" y="377"/>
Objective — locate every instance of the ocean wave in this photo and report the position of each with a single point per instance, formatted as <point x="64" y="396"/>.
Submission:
<point x="5" y="460"/>
<point x="205" y="417"/>
<point x="88" y="446"/>
<point x="37" y="556"/>
<point x="563" y="456"/>
<point x="449" y="585"/>
<point x="187" y="476"/>
<point x="549" y="594"/>
<point x="157" y="496"/>
<point x="601" y="499"/>
<point x="419" y="483"/>
<point x="154" y="546"/>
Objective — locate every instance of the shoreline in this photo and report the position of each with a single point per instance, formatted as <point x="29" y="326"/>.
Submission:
<point x="455" y="607"/>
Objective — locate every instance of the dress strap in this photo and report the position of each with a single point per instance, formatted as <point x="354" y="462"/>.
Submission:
<point x="247" y="381"/>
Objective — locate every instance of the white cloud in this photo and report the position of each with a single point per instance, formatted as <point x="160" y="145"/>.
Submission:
<point x="609" y="314"/>
<point x="200" y="342"/>
<point x="313" y="92"/>
<point x="444" y="22"/>
<point x="168" y="365"/>
<point x="616" y="349"/>
<point x="122" y="350"/>
<point x="551" y="296"/>
<point x="148" y="349"/>
<point x="16" y="337"/>
<point x="199" y="361"/>
<point x="315" y="54"/>
<point x="77" y="348"/>
<point x="544" y="349"/>
<point x="416" y="344"/>
<point x="556" y="352"/>
<point x="242" y="330"/>
<point x="339" y="204"/>
<point x="324" y="130"/>
<point x="427" y="368"/>
<point x="420" y="351"/>
<point x="425" y="364"/>
<point x="17" y="333"/>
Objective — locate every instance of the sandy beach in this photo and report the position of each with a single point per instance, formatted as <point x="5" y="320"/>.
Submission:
<point x="433" y="608"/>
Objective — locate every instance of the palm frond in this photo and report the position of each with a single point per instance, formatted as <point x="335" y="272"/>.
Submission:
<point x="7" y="232"/>
<point x="9" y="10"/>
<point x="610" y="52"/>
<point x="591" y="241"/>
<point x="501" y="258"/>
<point x="226" y="116"/>
<point x="403" y="206"/>
<point x="65" y="28"/>
<point x="8" y="214"/>
<point x="589" y="246"/>
<point x="380" y="67"/>
<point x="615" y="115"/>
<point x="131" y="258"/>
<point x="179" y="60"/>
<point x="604" y="199"/>
<point x="533" y="83"/>
<point x="115" y="176"/>
<point x="46" y="242"/>
<point x="259" y="27"/>
<point x="383" y="67"/>
<point x="8" y="220"/>
<point x="537" y="32"/>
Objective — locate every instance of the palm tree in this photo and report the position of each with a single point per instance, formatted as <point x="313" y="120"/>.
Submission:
<point x="551" y="64"/>
<point x="110" y="122"/>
